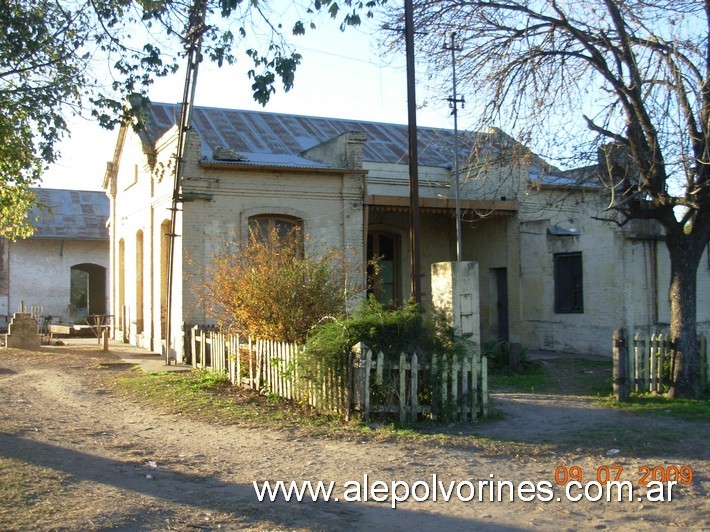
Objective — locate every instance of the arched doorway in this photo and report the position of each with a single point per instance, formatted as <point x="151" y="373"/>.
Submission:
<point x="88" y="289"/>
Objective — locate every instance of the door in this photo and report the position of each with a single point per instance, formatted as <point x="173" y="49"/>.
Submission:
<point x="501" y="279"/>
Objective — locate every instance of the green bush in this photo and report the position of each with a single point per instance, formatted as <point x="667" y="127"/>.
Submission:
<point x="393" y="332"/>
<point x="498" y="354"/>
<point x="390" y="331"/>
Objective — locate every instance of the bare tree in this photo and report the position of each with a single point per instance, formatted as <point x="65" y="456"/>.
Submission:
<point x="624" y="78"/>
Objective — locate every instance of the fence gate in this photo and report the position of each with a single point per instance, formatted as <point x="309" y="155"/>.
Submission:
<point x="644" y="363"/>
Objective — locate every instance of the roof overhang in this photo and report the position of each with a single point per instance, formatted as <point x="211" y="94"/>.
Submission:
<point x="241" y="166"/>
<point x="441" y="205"/>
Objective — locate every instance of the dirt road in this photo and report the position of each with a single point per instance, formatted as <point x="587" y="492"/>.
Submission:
<point x="76" y="455"/>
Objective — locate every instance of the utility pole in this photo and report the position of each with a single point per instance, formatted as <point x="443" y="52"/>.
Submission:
<point x="193" y="45"/>
<point x="454" y="101"/>
<point x="414" y="227"/>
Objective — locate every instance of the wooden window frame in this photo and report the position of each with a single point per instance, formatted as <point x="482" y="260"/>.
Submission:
<point x="569" y="283"/>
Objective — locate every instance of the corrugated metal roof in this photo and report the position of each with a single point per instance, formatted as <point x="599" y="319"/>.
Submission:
<point x="269" y="159"/>
<point x="281" y="134"/>
<point x="72" y="215"/>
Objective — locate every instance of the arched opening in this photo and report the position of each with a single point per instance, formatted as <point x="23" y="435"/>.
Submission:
<point x="121" y="283"/>
<point x="88" y="290"/>
<point x="164" y="252"/>
<point x="139" y="282"/>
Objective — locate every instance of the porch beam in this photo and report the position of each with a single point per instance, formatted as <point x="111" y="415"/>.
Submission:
<point x="373" y="200"/>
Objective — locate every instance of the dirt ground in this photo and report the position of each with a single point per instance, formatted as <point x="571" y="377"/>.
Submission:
<point x="74" y="454"/>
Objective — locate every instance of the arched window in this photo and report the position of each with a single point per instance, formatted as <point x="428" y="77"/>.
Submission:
<point x="164" y="266"/>
<point x="265" y="224"/>
<point x="121" y="282"/>
<point x="139" y="282"/>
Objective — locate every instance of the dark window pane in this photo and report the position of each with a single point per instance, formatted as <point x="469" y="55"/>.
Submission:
<point x="262" y="227"/>
<point x="384" y="247"/>
<point x="569" y="286"/>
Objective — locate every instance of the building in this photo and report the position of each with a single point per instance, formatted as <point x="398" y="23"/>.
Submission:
<point x="62" y="270"/>
<point x="550" y="275"/>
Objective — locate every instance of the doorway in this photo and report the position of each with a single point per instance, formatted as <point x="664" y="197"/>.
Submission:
<point x="501" y="296"/>
<point x="88" y="289"/>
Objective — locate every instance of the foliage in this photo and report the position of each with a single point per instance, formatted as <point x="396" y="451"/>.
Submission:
<point x="56" y="55"/>
<point x="622" y="84"/>
<point x="270" y="289"/>
<point x="206" y="379"/>
<point x="40" y="74"/>
<point x="392" y="331"/>
<point x="499" y="360"/>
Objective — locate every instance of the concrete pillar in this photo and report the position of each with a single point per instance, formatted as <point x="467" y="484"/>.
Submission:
<point x="455" y="291"/>
<point x="22" y="332"/>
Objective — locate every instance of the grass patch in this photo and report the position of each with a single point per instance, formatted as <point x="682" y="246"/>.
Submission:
<point x="685" y="409"/>
<point x="579" y="376"/>
<point x="207" y="396"/>
<point x="535" y="379"/>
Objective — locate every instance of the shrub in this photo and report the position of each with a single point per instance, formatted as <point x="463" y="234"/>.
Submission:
<point x="499" y="362"/>
<point x="391" y="331"/>
<point x="271" y="290"/>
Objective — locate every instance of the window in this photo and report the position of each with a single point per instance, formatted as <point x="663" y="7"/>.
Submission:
<point x="263" y="226"/>
<point x="384" y="283"/>
<point x="569" y="297"/>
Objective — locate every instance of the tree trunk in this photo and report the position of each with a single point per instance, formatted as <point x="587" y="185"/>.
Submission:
<point x="685" y="253"/>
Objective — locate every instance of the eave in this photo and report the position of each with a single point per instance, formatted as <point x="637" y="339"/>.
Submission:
<point x="441" y="205"/>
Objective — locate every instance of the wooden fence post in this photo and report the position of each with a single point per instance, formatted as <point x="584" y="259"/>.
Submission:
<point x="621" y="365"/>
<point x="705" y="358"/>
<point x="484" y="386"/>
<point x="402" y="388"/>
<point x="475" y="376"/>
<point x="414" y="387"/>
<point x="359" y="384"/>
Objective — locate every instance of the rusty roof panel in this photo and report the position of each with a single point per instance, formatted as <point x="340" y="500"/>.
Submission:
<point x="289" y="135"/>
<point x="71" y="215"/>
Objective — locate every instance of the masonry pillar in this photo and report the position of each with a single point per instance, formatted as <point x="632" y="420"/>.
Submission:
<point x="454" y="290"/>
<point x="22" y="332"/>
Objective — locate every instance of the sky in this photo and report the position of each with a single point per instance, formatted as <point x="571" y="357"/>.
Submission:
<point x="342" y="75"/>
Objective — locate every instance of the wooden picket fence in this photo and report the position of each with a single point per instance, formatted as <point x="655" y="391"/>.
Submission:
<point x="266" y="366"/>
<point x="647" y="356"/>
<point x="456" y="390"/>
<point x="362" y="384"/>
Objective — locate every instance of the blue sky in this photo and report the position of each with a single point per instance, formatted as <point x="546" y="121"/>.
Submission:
<point x="342" y="75"/>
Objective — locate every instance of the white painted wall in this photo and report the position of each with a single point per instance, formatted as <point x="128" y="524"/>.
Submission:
<point x="40" y="273"/>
